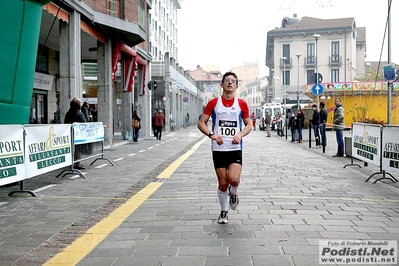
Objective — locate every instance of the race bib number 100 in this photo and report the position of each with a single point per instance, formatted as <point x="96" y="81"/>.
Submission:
<point x="228" y="128"/>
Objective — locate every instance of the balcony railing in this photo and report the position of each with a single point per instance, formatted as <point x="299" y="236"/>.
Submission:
<point x="335" y="60"/>
<point x="309" y="61"/>
<point x="288" y="63"/>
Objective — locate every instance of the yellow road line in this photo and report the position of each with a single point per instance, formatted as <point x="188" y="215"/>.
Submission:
<point x="84" y="244"/>
<point x="168" y="172"/>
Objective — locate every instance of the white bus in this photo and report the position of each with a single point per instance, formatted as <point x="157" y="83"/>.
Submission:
<point x="293" y="104"/>
<point x="273" y="108"/>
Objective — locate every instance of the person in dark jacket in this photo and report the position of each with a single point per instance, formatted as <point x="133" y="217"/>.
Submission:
<point x="323" y="121"/>
<point x="316" y="124"/>
<point x="292" y="127"/>
<point x="300" y="121"/>
<point x="74" y="115"/>
<point x="86" y="112"/>
<point x="136" y="128"/>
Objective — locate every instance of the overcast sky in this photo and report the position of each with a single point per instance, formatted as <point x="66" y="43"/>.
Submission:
<point x="228" y="33"/>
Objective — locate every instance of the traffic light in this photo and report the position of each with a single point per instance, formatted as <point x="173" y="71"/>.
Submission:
<point x="320" y="79"/>
<point x="152" y="85"/>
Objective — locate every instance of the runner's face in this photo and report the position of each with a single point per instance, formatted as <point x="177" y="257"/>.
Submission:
<point x="229" y="83"/>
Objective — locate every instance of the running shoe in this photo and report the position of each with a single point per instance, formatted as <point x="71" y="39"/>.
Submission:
<point x="233" y="201"/>
<point x="223" y="217"/>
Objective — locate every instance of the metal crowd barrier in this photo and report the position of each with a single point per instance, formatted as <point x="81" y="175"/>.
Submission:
<point x="88" y="143"/>
<point x="378" y="145"/>
<point x="27" y="151"/>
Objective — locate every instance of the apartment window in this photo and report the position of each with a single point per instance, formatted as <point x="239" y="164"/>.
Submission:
<point x="286" y="77"/>
<point x="111" y="8"/>
<point x="310" y="76"/>
<point x="286" y="53"/>
<point x="310" y="53"/>
<point x="141" y="13"/>
<point x="334" y="75"/>
<point x="335" y="51"/>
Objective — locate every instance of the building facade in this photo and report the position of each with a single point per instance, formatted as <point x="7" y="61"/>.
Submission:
<point x="176" y="94"/>
<point x="300" y="48"/>
<point x="96" y="51"/>
<point x="101" y="52"/>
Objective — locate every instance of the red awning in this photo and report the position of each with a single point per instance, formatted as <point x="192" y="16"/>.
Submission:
<point x="129" y="71"/>
<point x="56" y="11"/>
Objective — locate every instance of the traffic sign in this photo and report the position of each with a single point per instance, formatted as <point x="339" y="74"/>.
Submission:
<point x="389" y="72"/>
<point x="317" y="89"/>
<point x="185" y="99"/>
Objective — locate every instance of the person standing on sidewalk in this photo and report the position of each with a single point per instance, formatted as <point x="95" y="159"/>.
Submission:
<point x="268" y="121"/>
<point x="228" y="113"/>
<point x="292" y="127"/>
<point x="74" y="115"/>
<point x="339" y="126"/>
<point x="316" y="123"/>
<point x="323" y="121"/>
<point x="300" y="121"/>
<point x="159" y="123"/>
<point x="136" y="124"/>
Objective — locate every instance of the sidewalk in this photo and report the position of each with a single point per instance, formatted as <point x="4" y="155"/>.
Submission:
<point x="290" y="198"/>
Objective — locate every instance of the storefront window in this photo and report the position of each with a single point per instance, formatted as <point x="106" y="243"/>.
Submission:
<point x="37" y="109"/>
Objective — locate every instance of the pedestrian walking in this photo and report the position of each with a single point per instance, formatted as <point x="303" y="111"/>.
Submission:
<point x="292" y="127"/>
<point x="339" y="127"/>
<point x="74" y="115"/>
<point x="136" y="124"/>
<point x="159" y="123"/>
<point x="300" y="121"/>
<point x="227" y="132"/>
<point x="268" y="121"/>
<point x="253" y="117"/>
<point x="316" y="123"/>
<point x="323" y="121"/>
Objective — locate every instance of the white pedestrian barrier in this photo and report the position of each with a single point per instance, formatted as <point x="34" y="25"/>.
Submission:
<point x="27" y="151"/>
<point x="378" y="145"/>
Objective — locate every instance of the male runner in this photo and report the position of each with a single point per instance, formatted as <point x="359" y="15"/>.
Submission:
<point x="230" y="123"/>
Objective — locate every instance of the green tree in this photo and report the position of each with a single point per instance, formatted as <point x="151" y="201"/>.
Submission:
<point x="371" y="75"/>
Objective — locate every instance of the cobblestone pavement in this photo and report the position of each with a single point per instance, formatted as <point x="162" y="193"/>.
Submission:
<point x="291" y="196"/>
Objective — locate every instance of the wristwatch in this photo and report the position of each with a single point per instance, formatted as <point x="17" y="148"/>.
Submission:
<point x="210" y="134"/>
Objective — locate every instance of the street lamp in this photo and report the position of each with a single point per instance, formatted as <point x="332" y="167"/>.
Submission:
<point x="283" y="78"/>
<point x="298" y="55"/>
<point x="317" y="37"/>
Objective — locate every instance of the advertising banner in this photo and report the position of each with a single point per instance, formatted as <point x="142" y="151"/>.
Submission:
<point x="366" y="142"/>
<point x="88" y="132"/>
<point x="12" y="168"/>
<point x="390" y="149"/>
<point x="47" y="148"/>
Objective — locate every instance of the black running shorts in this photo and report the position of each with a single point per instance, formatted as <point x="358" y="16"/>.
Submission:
<point x="223" y="159"/>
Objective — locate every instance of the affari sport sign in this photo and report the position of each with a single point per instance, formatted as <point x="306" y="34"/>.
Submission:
<point x="47" y="148"/>
<point x="366" y="142"/>
<point x="12" y="168"/>
<point x="390" y="148"/>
